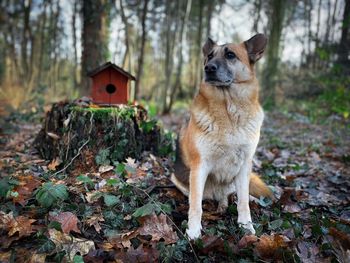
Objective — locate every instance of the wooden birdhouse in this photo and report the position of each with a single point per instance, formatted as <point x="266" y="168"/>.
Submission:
<point x="110" y="84"/>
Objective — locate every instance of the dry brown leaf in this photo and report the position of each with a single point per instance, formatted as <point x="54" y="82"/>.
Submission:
<point x="94" y="221"/>
<point x="5" y="219"/>
<point x="68" y="221"/>
<point x="71" y="244"/>
<point x="268" y="247"/>
<point x="141" y="254"/>
<point x="37" y="258"/>
<point x="122" y="240"/>
<point x="341" y="237"/>
<point x="158" y="228"/>
<point x="212" y="243"/>
<point x="54" y="163"/>
<point x="5" y="256"/>
<point x="92" y="196"/>
<point x="27" y="184"/>
<point x="22" y="225"/>
<point x="246" y="241"/>
<point x="53" y="135"/>
<point x="105" y="168"/>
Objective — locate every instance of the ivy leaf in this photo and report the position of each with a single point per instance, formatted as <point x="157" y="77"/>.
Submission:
<point x="85" y="179"/>
<point x="145" y="210"/>
<point x="46" y="246"/>
<point x="50" y="193"/>
<point x="111" y="200"/>
<point x="275" y="224"/>
<point x="78" y="259"/>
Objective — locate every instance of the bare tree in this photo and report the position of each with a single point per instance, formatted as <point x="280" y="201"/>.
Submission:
<point x="276" y="21"/>
<point x="74" y="29"/>
<point x="142" y="49"/>
<point x="344" y="44"/>
<point x="94" y="38"/>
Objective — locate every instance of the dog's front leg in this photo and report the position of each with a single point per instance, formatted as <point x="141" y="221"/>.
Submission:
<point x="198" y="177"/>
<point x="242" y="188"/>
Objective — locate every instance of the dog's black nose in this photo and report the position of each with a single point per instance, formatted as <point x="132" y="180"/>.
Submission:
<point x="210" y="67"/>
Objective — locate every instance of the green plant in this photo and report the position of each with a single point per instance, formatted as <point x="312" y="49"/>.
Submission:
<point x="49" y="193"/>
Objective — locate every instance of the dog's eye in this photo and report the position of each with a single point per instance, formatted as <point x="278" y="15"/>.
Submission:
<point x="210" y="56"/>
<point x="230" y="55"/>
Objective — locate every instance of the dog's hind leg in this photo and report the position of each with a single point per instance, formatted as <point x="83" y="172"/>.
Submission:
<point x="222" y="196"/>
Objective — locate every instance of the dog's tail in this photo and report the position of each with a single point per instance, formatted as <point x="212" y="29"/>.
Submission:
<point x="181" y="176"/>
<point x="258" y="188"/>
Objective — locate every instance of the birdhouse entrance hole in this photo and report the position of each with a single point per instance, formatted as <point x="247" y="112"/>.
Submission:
<point x="110" y="88"/>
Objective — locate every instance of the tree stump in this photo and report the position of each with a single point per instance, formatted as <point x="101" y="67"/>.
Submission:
<point x="91" y="136"/>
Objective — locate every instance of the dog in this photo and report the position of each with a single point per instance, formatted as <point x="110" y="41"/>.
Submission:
<point x="218" y="143"/>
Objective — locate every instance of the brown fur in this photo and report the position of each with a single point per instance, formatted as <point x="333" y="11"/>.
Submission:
<point x="222" y="134"/>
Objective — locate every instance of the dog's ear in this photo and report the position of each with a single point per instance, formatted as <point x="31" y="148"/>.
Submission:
<point x="255" y="47"/>
<point x="208" y="46"/>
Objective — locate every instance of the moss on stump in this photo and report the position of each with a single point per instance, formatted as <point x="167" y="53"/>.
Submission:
<point x="99" y="136"/>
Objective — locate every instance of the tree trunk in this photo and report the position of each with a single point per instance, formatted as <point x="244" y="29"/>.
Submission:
<point x="198" y="67"/>
<point x="26" y="5"/>
<point x="176" y="86"/>
<point x="334" y="20"/>
<point x="344" y="45"/>
<point x="142" y="50"/>
<point x="273" y="50"/>
<point x="317" y="42"/>
<point x="42" y="42"/>
<point x="94" y="40"/>
<point x="74" y="27"/>
<point x="126" y="25"/>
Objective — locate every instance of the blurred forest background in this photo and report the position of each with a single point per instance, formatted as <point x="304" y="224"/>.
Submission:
<point x="48" y="46"/>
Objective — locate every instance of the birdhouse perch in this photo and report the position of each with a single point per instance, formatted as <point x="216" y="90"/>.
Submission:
<point x="110" y="84"/>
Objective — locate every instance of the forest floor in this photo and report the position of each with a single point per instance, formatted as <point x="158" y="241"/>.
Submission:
<point x="130" y="212"/>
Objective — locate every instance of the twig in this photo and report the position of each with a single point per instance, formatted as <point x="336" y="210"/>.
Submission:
<point x="79" y="150"/>
<point x="71" y="161"/>
<point x="177" y="228"/>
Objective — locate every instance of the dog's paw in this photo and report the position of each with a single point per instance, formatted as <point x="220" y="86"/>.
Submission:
<point x="248" y="226"/>
<point x="194" y="232"/>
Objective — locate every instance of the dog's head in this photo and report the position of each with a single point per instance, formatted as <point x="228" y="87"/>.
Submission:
<point x="232" y="63"/>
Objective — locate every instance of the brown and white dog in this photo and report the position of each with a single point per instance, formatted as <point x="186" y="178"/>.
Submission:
<point x="220" y="140"/>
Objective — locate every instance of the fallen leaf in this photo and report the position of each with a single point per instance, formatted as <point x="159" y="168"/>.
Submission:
<point x="158" y="228"/>
<point x="122" y="240"/>
<point x="37" y="258"/>
<point x="341" y="237"/>
<point x="307" y="251"/>
<point x="131" y="162"/>
<point x="5" y="219"/>
<point x="94" y="221"/>
<point x="70" y="244"/>
<point x="269" y="247"/>
<point x="93" y="196"/>
<point x="212" y="243"/>
<point x="53" y="135"/>
<point x="105" y="168"/>
<point x="67" y="220"/>
<point x="141" y="255"/>
<point x="246" y="241"/>
<point x="27" y="184"/>
<point x="5" y="256"/>
<point x="54" y="163"/>
<point x="22" y="225"/>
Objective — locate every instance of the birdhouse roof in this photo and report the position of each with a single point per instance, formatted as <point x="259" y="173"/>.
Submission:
<point x="112" y="65"/>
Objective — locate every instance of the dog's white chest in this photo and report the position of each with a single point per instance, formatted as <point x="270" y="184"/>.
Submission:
<point x="227" y="145"/>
